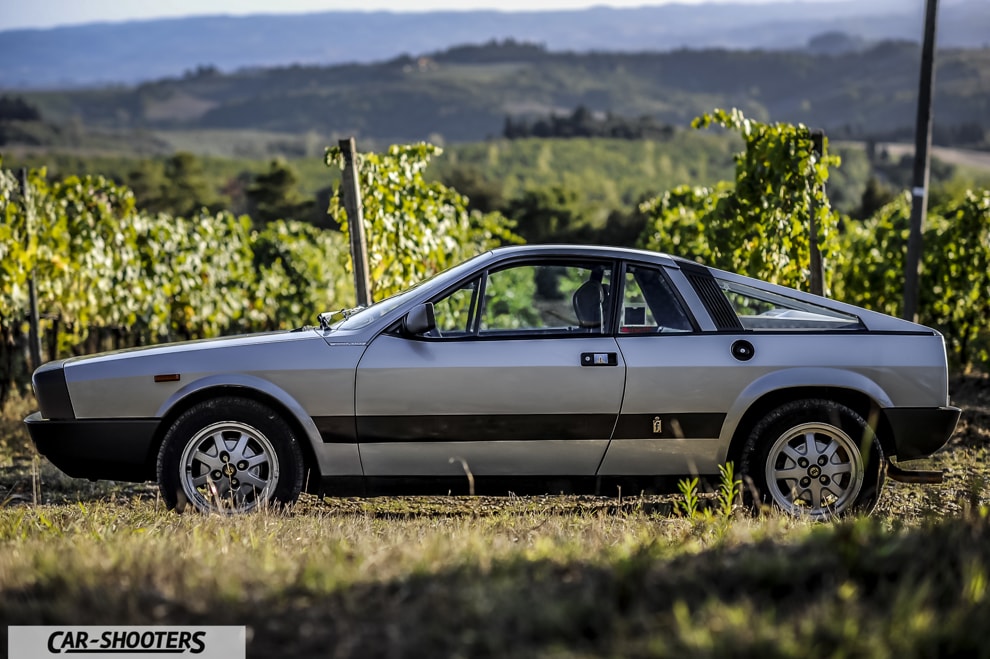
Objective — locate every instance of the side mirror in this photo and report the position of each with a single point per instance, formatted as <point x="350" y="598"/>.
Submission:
<point x="421" y="319"/>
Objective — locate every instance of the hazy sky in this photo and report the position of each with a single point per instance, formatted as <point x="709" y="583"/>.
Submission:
<point x="50" y="13"/>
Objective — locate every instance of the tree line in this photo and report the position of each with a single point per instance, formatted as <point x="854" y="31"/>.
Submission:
<point x="582" y="122"/>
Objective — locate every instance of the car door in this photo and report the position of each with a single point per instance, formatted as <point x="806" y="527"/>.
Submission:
<point x="672" y="412"/>
<point x="520" y="377"/>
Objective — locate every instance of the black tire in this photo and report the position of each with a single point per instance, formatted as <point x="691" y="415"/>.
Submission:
<point x="229" y="455"/>
<point x="814" y="458"/>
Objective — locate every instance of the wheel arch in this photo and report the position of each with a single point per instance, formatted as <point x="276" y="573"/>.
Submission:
<point x="853" y="390"/>
<point x="247" y="387"/>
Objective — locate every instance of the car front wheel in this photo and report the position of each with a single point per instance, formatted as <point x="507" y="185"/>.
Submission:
<point x="229" y="455"/>
<point x="814" y="458"/>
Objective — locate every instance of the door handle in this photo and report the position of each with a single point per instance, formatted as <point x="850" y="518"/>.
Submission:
<point x="599" y="359"/>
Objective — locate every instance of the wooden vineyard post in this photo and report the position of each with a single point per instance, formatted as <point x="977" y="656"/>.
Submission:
<point x="922" y="163"/>
<point x="34" y="334"/>
<point x="355" y="223"/>
<point x="816" y="265"/>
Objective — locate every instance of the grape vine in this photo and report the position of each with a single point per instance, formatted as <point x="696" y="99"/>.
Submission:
<point x="100" y="263"/>
<point x="759" y="226"/>
<point x="414" y="227"/>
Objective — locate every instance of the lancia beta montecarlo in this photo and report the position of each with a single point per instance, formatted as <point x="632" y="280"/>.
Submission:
<point x="558" y="365"/>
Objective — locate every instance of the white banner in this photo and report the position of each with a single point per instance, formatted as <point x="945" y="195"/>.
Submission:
<point x="126" y="642"/>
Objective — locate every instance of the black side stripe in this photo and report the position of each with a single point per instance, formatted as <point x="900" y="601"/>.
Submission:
<point x="488" y="427"/>
<point x="676" y="425"/>
<point x="507" y="427"/>
<point x="336" y="429"/>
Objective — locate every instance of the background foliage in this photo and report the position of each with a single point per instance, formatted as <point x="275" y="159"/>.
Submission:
<point x="761" y="224"/>
<point x="101" y="264"/>
<point x="955" y="275"/>
<point x="414" y="227"/>
<point x="104" y="265"/>
<point x="606" y="178"/>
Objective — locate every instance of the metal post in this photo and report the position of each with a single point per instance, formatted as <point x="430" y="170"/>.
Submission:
<point x="34" y="335"/>
<point x="922" y="160"/>
<point x="816" y="265"/>
<point x="355" y="223"/>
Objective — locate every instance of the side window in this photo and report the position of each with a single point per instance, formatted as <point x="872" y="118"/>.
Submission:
<point x="764" y="310"/>
<point x="455" y="312"/>
<point x="649" y="305"/>
<point x="547" y="298"/>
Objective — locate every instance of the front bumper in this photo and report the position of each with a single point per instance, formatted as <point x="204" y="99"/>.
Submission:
<point x="920" y="431"/>
<point x="113" y="449"/>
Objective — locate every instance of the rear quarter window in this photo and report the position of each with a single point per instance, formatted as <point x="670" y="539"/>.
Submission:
<point x="766" y="311"/>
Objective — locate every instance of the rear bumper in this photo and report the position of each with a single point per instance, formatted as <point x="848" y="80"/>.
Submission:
<point x="920" y="431"/>
<point x="114" y="449"/>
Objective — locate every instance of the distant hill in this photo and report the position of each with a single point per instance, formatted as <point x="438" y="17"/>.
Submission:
<point x="110" y="53"/>
<point x="465" y="94"/>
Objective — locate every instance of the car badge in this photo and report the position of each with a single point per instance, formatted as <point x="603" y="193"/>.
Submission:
<point x="657" y="425"/>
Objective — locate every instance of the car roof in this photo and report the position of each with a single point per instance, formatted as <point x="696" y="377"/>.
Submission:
<point x="595" y="251"/>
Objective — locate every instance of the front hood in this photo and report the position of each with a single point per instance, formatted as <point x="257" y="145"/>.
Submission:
<point x="299" y="367"/>
<point x="201" y="345"/>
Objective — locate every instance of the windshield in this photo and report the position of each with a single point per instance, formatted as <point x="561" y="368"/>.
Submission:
<point x="379" y="309"/>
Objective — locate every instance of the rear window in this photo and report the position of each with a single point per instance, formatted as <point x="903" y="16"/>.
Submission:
<point x="763" y="310"/>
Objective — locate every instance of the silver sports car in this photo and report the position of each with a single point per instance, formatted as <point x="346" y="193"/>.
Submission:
<point x="560" y="368"/>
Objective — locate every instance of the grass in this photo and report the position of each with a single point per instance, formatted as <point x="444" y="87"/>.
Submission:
<point x="512" y="577"/>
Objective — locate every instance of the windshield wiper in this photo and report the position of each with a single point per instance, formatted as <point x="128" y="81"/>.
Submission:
<point x="326" y="317"/>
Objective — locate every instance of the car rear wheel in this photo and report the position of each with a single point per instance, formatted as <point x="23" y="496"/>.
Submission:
<point x="814" y="458"/>
<point x="229" y="455"/>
